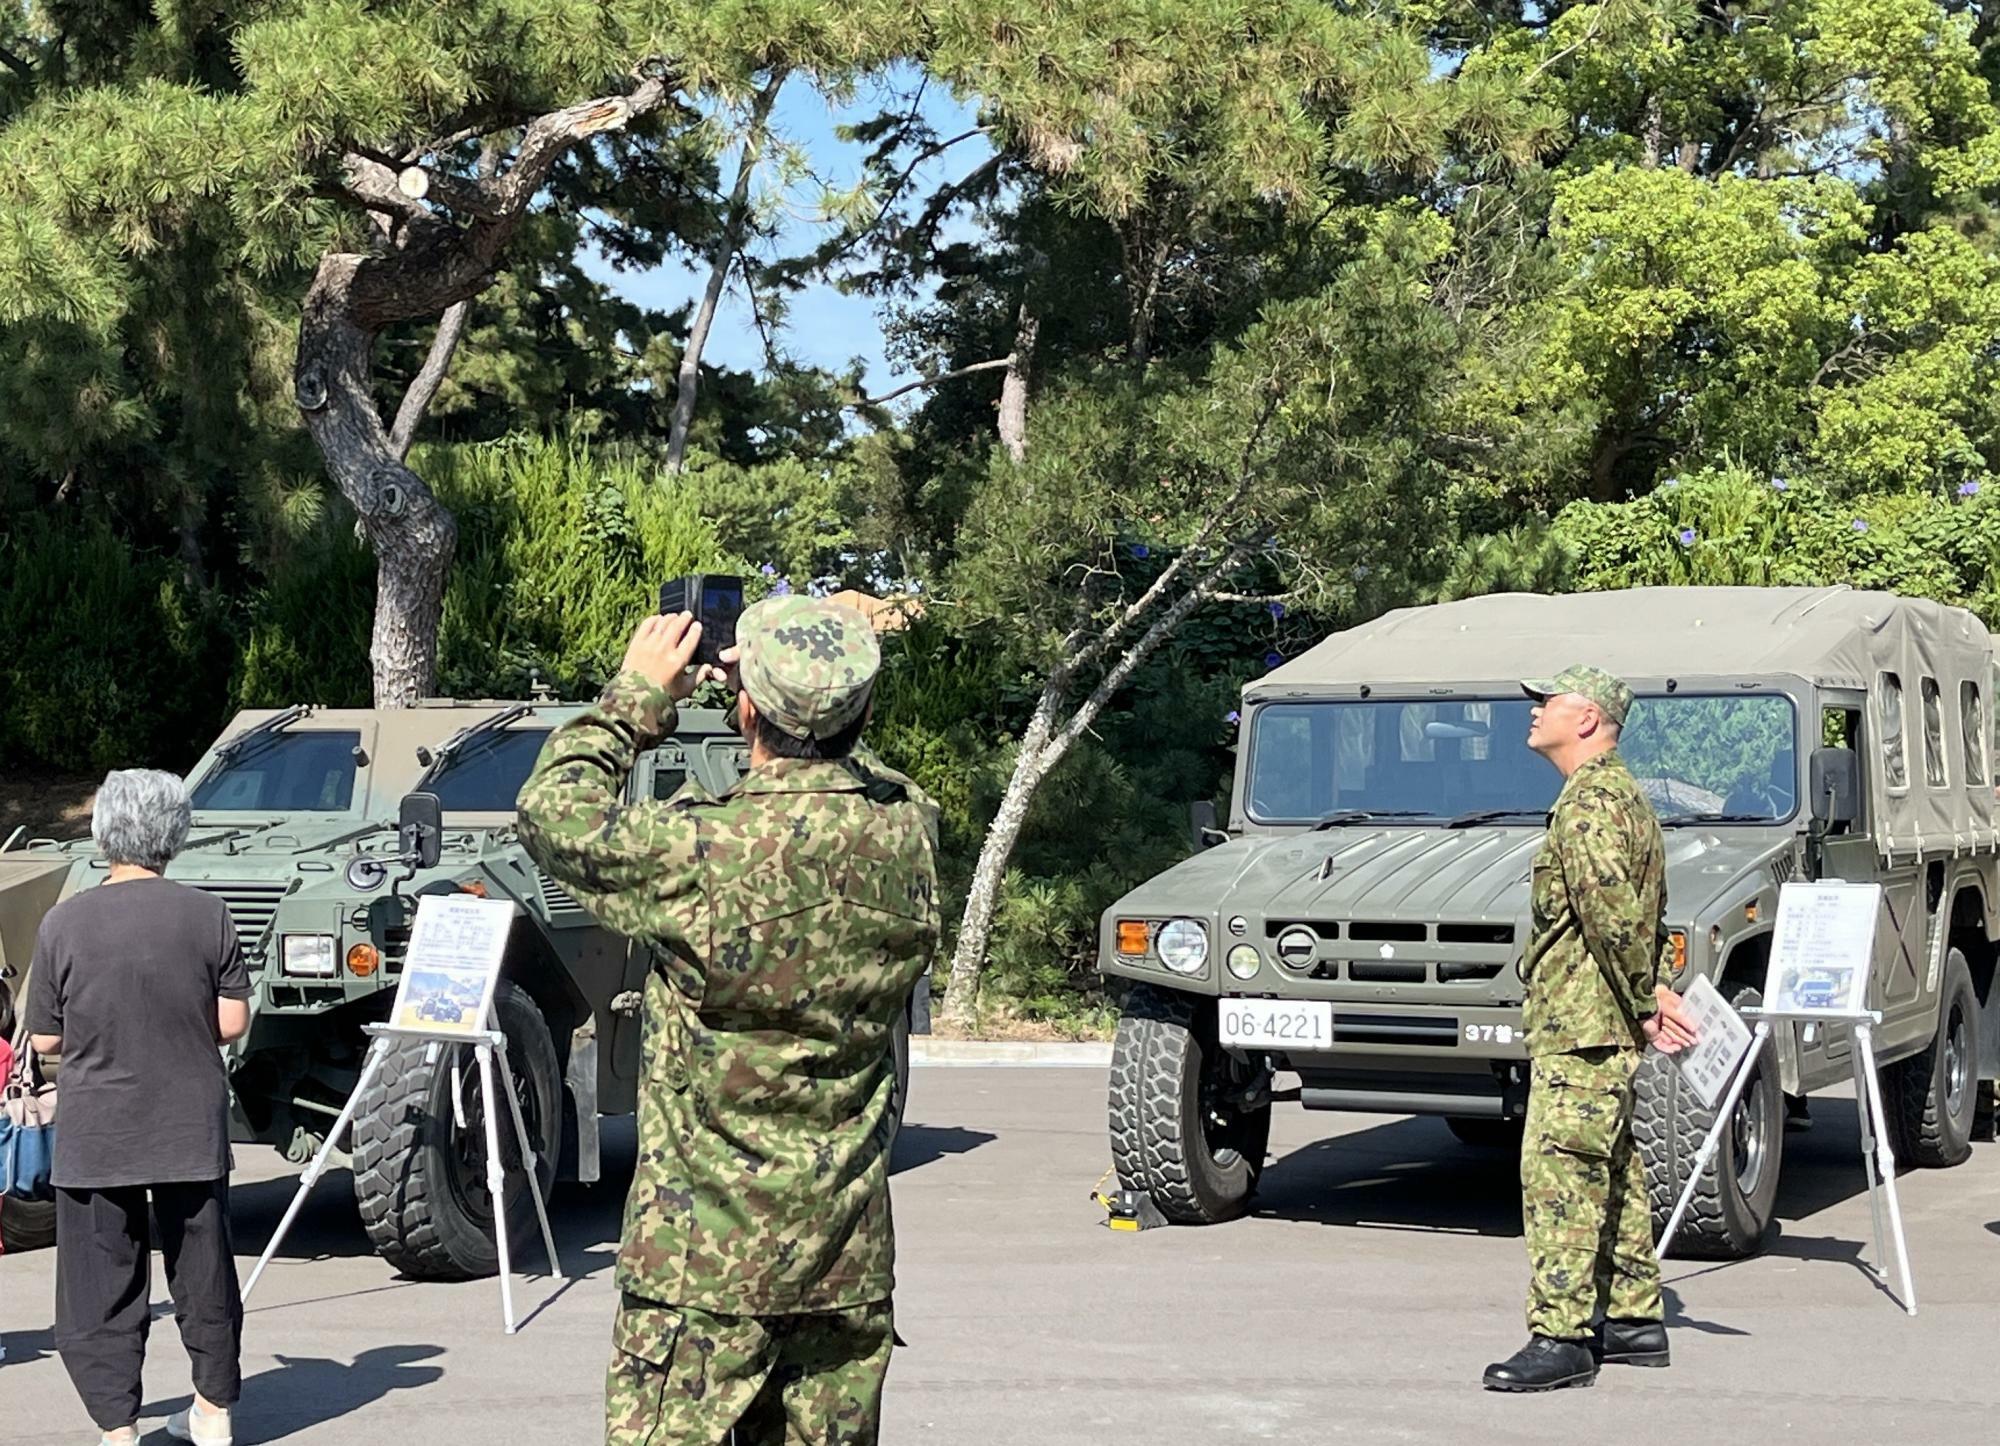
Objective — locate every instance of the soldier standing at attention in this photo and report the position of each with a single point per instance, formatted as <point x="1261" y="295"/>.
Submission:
<point x="790" y="919"/>
<point x="1593" y="1004"/>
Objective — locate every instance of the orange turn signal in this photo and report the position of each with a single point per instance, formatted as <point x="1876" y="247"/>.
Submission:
<point x="474" y="887"/>
<point x="363" y="959"/>
<point x="1133" y="936"/>
<point x="1680" y="943"/>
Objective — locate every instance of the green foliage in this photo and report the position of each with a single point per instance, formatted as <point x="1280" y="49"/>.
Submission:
<point x="111" y="658"/>
<point x="1728" y="527"/>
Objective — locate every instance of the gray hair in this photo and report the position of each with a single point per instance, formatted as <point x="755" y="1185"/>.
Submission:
<point x="141" y="817"/>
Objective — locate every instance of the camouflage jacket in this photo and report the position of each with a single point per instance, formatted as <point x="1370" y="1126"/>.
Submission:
<point x="790" y="917"/>
<point x="1600" y="893"/>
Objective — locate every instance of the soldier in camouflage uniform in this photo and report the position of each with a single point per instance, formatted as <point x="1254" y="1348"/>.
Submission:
<point x="1593" y="977"/>
<point x="790" y="919"/>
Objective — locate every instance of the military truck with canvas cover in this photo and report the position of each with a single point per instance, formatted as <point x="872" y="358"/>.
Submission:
<point x="1361" y="922"/>
<point x="295" y="830"/>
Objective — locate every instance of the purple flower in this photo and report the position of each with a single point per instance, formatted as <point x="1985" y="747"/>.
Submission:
<point x="1968" y="489"/>
<point x="781" y="588"/>
<point x="1140" y="550"/>
<point x="768" y="570"/>
<point x="1270" y="544"/>
<point x="1232" y="716"/>
<point x="1277" y="610"/>
<point x="1859" y="525"/>
<point x="1273" y="658"/>
<point x="1672" y="482"/>
<point x="1687" y="537"/>
<point x="1779" y="484"/>
<point x="1361" y="570"/>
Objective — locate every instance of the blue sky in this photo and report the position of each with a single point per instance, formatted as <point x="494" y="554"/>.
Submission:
<point x="823" y="328"/>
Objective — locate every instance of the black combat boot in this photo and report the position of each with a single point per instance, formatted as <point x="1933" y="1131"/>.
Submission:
<point x="1543" y="1364"/>
<point x="1635" y="1343"/>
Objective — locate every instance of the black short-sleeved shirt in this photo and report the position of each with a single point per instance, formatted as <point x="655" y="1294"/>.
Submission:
<point x="128" y="975"/>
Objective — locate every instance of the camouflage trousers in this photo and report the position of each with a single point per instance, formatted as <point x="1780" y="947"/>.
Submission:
<point x="684" y="1377"/>
<point x="1583" y="1196"/>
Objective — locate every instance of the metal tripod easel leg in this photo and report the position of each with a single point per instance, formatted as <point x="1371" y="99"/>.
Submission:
<point x="485" y="1045"/>
<point x="1878" y="1157"/>
<point x="1713" y="1140"/>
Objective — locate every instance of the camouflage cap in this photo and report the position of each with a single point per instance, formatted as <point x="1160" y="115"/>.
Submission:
<point x="1610" y="694"/>
<point x="808" y="664"/>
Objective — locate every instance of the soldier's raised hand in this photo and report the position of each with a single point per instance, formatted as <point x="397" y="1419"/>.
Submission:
<point x="661" y="649"/>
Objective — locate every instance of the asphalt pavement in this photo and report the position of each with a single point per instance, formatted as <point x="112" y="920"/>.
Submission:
<point x="1381" y="1270"/>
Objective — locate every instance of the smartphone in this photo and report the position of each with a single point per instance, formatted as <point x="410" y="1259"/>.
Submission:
<point x="716" y="602"/>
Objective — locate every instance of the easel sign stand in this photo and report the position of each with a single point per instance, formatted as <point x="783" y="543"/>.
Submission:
<point x="1820" y="959"/>
<point x="455" y="947"/>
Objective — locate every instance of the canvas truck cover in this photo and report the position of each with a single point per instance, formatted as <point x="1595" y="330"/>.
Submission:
<point x="1832" y="637"/>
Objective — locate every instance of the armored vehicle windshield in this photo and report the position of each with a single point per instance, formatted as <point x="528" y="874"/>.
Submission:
<point x="312" y="771"/>
<point x="1719" y="759"/>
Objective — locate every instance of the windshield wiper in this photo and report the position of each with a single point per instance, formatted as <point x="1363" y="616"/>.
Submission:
<point x="1343" y="816"/>
<point x="1672" y="819"/>
<point x="269" y="726"/>
<point x="1489" y="815"/>
<point x="434" y="762"/>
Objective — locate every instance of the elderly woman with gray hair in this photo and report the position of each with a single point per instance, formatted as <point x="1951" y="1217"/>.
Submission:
<point x="135" y="983"/>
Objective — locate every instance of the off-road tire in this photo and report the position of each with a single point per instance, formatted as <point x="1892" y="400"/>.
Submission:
<point x="27" y="1225"/>
<point x="1486" y="1134"/>
<point x="1923" y="1126"/>
<point x="1669" y="1122"/>
<point x="1159" y="1146"/>
<point x="411" y="1181"/>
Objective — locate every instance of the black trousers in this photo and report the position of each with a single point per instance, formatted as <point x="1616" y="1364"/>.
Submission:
<point x="104" y="1268"/>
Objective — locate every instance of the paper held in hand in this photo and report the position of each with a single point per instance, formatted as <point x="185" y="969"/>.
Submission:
<point x="456" y="948"/>
<point x="1721" y="1037"/>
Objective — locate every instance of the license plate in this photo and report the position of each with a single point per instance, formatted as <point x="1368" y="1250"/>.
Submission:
<point x="1277" y="1023"/>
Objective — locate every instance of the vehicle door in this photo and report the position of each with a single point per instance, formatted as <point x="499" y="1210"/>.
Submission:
<point x="1884" y="738"/>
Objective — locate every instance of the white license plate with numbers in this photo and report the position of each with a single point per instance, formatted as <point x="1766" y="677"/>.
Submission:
<point x="1277" y="1023"/>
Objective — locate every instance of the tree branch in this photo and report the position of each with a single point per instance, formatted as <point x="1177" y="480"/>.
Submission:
<point x="1149" y="641"/>
<point x="417" y="400"/>
<point x="939" y="380"/>
<point x="896" y="188"/>
<point x="14" y="63"/>
<point x="1187" y="556"/>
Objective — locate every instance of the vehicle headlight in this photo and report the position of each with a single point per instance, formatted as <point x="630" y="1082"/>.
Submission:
<point x="1242" y="961"/>
<point x="1183" y="946"/>
<point x="312" y="955"/>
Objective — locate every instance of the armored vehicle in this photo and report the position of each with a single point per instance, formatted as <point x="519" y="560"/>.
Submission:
<point x="295" y="829"/>
<point x="1361" y="921"/>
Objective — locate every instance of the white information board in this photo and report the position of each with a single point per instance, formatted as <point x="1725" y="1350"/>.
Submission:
<point x="1823" y="949"/>
<point x="456" y="948"/>
<point x="1721" y="1039"/>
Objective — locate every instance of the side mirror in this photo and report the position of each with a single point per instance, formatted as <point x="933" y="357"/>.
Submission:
<point x="420" y="829"/>
<point x="1202" y="829"/>
<point x="1834" y="777"/>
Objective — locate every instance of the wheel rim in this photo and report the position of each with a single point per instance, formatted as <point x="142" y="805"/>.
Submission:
<point x="467" y="1147"/>
<point x="1957" y="1052"/>
<point x="1748" y="1136"/>
<point x="1222" y="1124"/>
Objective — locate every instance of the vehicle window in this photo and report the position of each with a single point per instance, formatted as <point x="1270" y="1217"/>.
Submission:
<point x="1972" y="726"/>
<point x="1934" y="771"/>
<point x="487" y="773"/>
<point x="1438" y="760"/>
<point x="1889" y="712"/>
<point x="306" y="772"/>
<point x="1715" y="755"/>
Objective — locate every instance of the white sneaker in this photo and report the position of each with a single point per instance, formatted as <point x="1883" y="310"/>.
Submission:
<point x="204" y="1428"/>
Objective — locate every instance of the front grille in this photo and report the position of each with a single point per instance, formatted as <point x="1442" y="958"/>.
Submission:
<point x="253" y="908"/>
<point x="1400" y="1029"/>
<point x="556" y="899"/>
